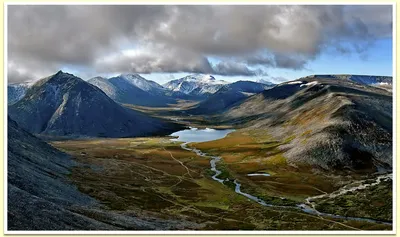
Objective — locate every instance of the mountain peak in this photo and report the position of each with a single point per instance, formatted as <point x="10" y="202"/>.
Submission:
<point x="62" y="77"/>
<point x="131" y="76"/>
<point x="59" y="72"/>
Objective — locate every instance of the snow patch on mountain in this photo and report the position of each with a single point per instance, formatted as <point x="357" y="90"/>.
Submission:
<point x="313" y="83"/>
<point x="294" y="82"/>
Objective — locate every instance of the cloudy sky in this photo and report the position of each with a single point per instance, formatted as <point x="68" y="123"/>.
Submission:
<point x="275" y="43"/>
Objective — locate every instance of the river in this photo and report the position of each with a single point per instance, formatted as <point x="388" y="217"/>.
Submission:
<point x="203" y="135"/>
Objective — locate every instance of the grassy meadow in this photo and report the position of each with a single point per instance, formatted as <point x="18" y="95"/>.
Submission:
<point x="154" y="176"/>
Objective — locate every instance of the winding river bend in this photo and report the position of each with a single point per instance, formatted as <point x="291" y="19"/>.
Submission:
<point x="201" y="135"/>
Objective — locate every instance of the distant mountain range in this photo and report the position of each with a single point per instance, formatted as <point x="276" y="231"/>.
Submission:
<point x="65" y="105"/>
<point x="134" y="89"/>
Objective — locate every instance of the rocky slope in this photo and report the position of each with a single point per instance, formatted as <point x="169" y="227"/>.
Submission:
<point x="65" y="105"/>
<point x="38" y="192"/>
<point x="329" y="124"/>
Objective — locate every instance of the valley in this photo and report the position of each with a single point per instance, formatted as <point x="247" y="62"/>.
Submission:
<point x="309" y="154"/>
<point x="199" y="182"/>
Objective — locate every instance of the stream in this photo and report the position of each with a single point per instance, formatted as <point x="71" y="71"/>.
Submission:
<point x="307" y="207"/>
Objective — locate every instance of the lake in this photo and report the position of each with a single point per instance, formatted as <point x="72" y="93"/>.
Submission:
<point x="200" y="135"/>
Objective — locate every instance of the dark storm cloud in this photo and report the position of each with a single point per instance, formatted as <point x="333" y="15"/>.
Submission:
<point x="229" y="68"/>
<point x="278" y="61"/>
<point x="293" y="62"/>
<point x="259" y="60"/>
<point x="15" y="76"/>
<point x="167" y="60"/>
<point x="180" y="38"/>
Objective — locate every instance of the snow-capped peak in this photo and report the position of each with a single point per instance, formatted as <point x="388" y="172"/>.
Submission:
<point x="200" y="78"/>
<point x="198" y="84"/>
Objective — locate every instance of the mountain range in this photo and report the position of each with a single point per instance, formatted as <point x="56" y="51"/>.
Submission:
<point x="134" y="89"/>
<point x="65" y="105"/>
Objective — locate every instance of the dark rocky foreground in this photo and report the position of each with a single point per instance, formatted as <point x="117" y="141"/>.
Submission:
<point x="40" y="197"/>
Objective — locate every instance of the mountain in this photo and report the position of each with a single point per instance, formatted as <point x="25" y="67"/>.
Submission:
<point x="196" y="85"/>
<point x="136" y="90"/>
<point x="227" y="96"/>
<point x="323" y="123"/>
<point x="65" y="105"/>
<point x="16" y="91"/>
<point x="384" y="82"/>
